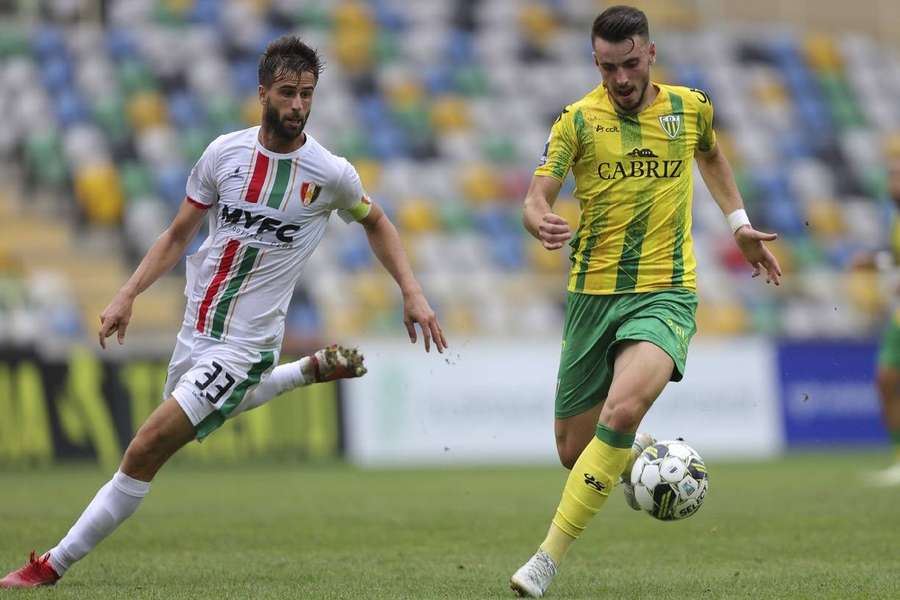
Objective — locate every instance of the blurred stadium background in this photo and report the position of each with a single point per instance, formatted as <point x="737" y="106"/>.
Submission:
<point x="444" y="108"/>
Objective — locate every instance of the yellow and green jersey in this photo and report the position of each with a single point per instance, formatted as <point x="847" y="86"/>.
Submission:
<point x="895" y="240"/>
<point x="633" y="181"/>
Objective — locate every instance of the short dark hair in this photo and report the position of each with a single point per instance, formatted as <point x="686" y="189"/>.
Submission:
<point x="619" y="23"/>
<point x="288" y="54"/>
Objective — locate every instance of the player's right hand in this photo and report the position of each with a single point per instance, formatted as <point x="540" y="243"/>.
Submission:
<point x="553" y="231"/>
<point x="115" y="318"/>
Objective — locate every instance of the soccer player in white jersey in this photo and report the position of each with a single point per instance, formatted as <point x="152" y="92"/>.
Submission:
<point x="268" y="192"/>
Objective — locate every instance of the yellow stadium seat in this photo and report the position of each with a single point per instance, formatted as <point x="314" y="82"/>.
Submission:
<point x="369" y="173"/>
<point x="821" y="53"/>
<point x="147" y="109"/>
<point x="372" y="292"/>
<point x="865" y="293"/>
<point x="417" y="215"/>
<point x="99" y="192"/>
<point x="479" y="184"/>
<point x="449" y="113"/>
<point x="825" y="219"/>
<point x="549" y="261"/>
<point x="724" y="319"/>
<point x="354" y="36"/>
<point x="404" y="94"/>
<point x="537" y="22"/>
<point x="250" y="110"/>
<point x="459" y="318"/>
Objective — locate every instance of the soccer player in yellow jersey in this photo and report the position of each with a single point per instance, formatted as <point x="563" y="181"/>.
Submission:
<point x="630" y="144"/>
<point x="888" y="375"/>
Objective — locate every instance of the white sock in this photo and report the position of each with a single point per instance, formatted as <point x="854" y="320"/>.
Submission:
<point x="282" y="378"/>
<point x="115" y="502"/>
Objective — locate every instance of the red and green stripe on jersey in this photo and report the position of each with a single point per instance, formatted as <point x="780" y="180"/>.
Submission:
<point x="272" y="180"/>
<point x="231" y="274"/>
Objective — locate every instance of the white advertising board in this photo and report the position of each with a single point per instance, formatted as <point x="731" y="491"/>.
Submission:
<point x="491" y="402"/>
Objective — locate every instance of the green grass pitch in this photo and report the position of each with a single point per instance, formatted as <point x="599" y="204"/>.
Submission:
<point x="802" y="527"/>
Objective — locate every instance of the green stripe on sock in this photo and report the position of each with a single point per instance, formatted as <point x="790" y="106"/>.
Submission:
<point x="614" y="438"/>
<point x="282" y="176"/>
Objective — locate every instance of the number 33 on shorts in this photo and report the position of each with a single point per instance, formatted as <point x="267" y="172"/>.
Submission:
<point x="215" y="383"/>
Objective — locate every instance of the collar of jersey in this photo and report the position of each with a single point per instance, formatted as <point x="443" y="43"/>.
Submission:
<point x="647" y="108"/>
<point x="296" y="153"/>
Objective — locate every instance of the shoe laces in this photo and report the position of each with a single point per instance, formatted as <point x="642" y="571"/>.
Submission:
<point x="36" y="565"/>
<point x="541" y="568"/>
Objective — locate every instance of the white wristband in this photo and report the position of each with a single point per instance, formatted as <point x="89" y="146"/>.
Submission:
<point x="738" y="219"/>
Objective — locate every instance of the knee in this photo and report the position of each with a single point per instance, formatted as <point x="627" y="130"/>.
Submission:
<point x="886" y="379"/>
<point x="569" y="449"/>
<point x="625" y="415"/>
<point x="145" y="447"/>
<point x="567" y="456"/>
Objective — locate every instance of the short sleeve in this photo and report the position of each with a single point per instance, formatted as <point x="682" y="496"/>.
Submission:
<point x="350" y="198"/>
<point x="706" y="135"/>
<point x="561" y="148"/>
<point x="202" y="189"/>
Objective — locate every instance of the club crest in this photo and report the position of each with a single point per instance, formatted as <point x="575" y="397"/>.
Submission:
<point x="671" y="124"/>
<point x="309" y="192"/>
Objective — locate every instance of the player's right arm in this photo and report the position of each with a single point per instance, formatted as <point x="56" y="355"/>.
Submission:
<point x="162" y="256"/>
<point x="538" y="217"/>
<point x="560" y="153"/>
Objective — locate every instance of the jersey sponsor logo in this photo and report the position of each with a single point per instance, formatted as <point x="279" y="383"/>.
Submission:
<point x="610" y="129"/>
<point x="671" y="124"/>
<point x="309" y="191"/>
<point x="658" y="169"/>
<point x="284" y="232"/>
<point x="642" y="153"/>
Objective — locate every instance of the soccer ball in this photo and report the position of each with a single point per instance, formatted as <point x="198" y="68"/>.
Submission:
<point x="670" y="480"/>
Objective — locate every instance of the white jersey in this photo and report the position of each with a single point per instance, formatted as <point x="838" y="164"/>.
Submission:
<point x="267" y="213"/>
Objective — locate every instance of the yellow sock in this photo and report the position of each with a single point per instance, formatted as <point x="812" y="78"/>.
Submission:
<point x="592" y="478"/>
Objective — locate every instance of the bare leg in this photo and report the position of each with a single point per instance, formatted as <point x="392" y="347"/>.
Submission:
<point x="164" y="432"/>
<point x="640" y="372"/>
<point x="889" y="393"/>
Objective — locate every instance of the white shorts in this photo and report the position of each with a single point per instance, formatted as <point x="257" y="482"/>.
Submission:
<point x="210" y="379"/>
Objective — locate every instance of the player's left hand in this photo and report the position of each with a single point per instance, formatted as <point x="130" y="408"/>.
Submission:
<point x="750" y="242"/>
<point x="417" y="310"/>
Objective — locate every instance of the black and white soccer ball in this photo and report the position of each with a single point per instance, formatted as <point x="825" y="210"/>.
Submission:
<point x="670" y="480"/>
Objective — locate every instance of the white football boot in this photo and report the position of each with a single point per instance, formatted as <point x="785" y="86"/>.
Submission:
<point x="534" y="577"/>
<point x="887" y="477"/>
<point x="641" y="441"/>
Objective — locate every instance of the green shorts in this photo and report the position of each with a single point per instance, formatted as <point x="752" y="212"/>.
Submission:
<point x="889" y="354"/>
<point x="596" y="324"/>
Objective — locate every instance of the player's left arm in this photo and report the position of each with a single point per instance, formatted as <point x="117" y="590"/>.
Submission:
<point x="385" y="243"/>
<point x="716" y="172"/>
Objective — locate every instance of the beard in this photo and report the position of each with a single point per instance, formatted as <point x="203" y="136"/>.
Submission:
<point x="279" y="126"/>
<point x="636" y="103"/>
